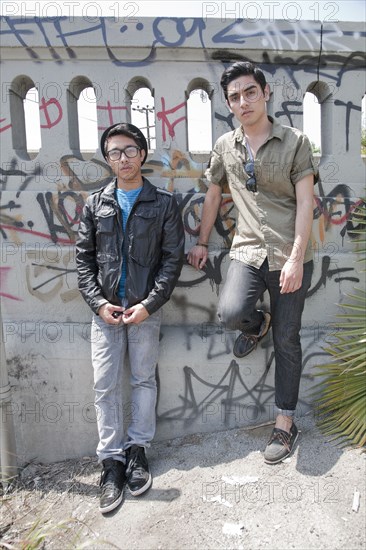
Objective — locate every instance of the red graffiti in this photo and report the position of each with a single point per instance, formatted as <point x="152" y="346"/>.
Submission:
<point x="44" y="106"/>
<point x="329" y="213"/>
<point x="60" y="240"/>
<point x="3" y="128"/>
<point x="4" y="271"/>
<point x="162" y="115"/>
<point x="110" y="110"/>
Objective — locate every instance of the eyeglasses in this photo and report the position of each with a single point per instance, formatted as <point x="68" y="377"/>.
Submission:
<point x="251" y="183"/>
<point x="131" y="151"/>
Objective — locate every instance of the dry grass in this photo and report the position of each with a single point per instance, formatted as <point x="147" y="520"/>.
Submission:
<point x="52" y="506"/>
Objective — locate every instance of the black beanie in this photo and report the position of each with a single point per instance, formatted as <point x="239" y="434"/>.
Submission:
<point x="125" y="129"/>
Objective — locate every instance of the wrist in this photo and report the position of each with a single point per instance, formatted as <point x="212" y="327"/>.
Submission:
<point x="205" y="245"/>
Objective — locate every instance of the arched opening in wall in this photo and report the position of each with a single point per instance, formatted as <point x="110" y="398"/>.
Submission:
<point x="318" y="117"/>
<point x="312" y="121"/>
<point x="82" y="118"/>
<point x="143" y="114"/>
<point x="25" y="119"/>
<point x="32" y="122"/>
<point x="88" y="125"/>
<point x="199" y="120"/>
<point x="363" y="126"/>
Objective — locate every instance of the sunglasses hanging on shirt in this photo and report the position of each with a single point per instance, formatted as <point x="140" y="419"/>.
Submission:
<point x="251" y="183"/>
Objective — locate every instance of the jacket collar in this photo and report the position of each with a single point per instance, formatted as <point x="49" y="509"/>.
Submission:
<point x="148" y="191"/>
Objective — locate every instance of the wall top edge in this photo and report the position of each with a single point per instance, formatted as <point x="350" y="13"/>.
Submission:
<point x="68" y="32"/>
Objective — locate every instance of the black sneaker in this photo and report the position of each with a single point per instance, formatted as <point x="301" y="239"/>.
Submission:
<point x="138" y="474"/>
<point x="112" y="482"/>
<point x="280" y="445"/>
<point x="246" y="343"/>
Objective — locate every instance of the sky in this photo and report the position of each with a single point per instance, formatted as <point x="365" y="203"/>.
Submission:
<point x="321" y="10"/>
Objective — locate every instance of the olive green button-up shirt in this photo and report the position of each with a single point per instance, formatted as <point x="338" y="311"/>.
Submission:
<point x="265" y="225"/>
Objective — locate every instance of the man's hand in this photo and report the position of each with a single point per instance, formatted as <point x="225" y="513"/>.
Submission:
<point x="111" y="314"/>
<point x="291" y="276"/>
<point x="197" y="256"/>
<point x="134" y="314"/>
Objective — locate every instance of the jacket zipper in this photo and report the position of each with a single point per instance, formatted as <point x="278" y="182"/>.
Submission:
<point x="126" y="233"/>
<point x="120" y="227"/>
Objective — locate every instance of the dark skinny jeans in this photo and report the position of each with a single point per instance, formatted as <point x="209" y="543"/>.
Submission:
<point x="237" y="311"/>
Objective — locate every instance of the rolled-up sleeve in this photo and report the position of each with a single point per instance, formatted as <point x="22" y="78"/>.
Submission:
<point x="215" y="172"/>
<point x="303" y="163"/>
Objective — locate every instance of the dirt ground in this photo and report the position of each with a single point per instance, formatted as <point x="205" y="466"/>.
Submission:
<point x="209" y="491"/>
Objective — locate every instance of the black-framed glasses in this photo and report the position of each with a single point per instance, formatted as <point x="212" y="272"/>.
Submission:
<point x="251" y="183"/>
<point x="131" y="151"/>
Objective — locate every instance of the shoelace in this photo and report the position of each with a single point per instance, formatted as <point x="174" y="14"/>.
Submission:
<point x="256" y="337"/>
<point x="283" y="438"/>
<point x="108" y="472"/>
<point x="136" y="460"/>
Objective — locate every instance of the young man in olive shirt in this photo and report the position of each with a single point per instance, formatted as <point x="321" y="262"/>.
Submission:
<point x="270" y="172"/>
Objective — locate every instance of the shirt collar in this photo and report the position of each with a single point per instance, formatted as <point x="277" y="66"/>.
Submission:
<point x="276" y="131"/>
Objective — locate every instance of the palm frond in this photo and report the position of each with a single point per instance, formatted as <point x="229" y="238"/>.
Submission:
<point x="340" y="396"/>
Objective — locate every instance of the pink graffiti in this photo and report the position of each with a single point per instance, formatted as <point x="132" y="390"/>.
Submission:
<point x="44" y="106"/>
<point x="328" y="215"/>
<point x="109" y="110"/>
<point x="162" y="115"/>
<point x="3" y="128"/>
<point x="60" y="240"/>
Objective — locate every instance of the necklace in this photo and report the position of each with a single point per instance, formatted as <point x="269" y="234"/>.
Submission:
<point x="247" y="146"/>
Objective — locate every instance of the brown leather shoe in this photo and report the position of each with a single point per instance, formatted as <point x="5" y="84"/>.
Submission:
<point x="246" y="343"/>
<point x="280" y="445"/>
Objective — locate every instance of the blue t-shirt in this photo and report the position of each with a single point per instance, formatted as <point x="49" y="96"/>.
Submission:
<point x="126" y="200"/>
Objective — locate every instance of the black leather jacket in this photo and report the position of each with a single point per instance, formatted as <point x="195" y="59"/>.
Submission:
<point x="154" y="245"/>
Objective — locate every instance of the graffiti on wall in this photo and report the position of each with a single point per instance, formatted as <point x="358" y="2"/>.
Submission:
<point x="56" y="218"/>
<point x="41" y="205"/>
<point x="168" y="32"/>
<point x="228" y="390"/>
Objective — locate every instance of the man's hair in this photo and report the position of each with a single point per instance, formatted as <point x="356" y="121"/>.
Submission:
<point x="124" y="129"/>
<point x="242" y="68"/>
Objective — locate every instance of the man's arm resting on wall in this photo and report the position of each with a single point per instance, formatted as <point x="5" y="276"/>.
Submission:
<point x="197" y="256"/>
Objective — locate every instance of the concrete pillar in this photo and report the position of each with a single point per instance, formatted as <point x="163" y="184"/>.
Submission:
<point x="8" y="457"/>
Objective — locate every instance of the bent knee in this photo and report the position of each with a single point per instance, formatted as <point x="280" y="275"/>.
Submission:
<point x="230" y="317"/>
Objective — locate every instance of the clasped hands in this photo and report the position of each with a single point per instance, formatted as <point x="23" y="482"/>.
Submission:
<point x="117" y="315"/>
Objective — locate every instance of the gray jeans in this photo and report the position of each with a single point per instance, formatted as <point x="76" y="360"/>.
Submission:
<point x="237" y="311"/>
<point x="110" y="347"/>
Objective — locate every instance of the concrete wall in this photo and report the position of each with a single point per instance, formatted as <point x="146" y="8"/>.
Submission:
<point x="46" y="323"/>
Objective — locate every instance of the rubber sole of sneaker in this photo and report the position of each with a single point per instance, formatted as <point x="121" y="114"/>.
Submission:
<point x="112" y="506"/>
<point x="143" y="488"/>
<point x="286" y="456"/>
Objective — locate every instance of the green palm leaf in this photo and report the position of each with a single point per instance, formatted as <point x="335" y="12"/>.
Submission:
<point x="340" y="396"/>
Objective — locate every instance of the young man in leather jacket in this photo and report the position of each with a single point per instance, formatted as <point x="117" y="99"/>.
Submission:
<point x="129" y="256"/>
